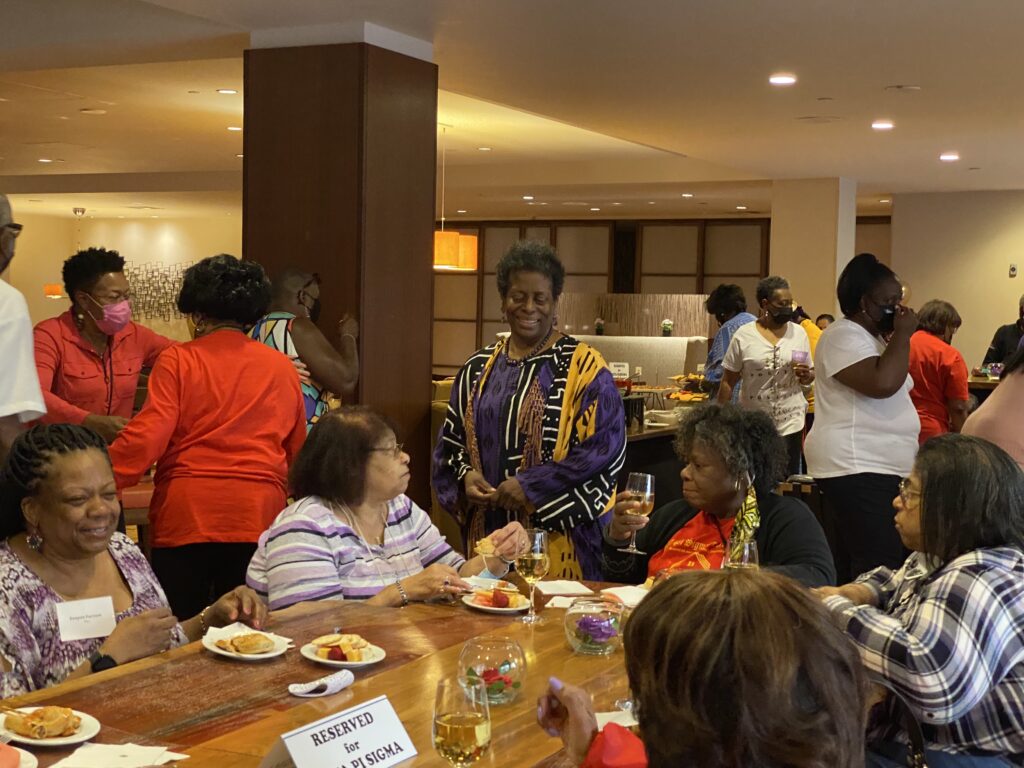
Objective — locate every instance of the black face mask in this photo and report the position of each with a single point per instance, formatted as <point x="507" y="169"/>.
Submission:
<point x="780" y="316"/>
<point x="886" y="323"/>
<point x="314" y="311"/>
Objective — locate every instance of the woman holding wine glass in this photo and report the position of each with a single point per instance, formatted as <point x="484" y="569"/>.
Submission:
<point x="729" y="515"/>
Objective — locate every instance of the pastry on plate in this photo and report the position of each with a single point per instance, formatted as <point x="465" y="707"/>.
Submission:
<point x="248" y="644"/>
<point x="43" y="723"/>
<point x="341" y="647"/>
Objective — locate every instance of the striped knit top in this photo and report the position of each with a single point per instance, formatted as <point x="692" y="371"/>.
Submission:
<point x="309" y="553"/>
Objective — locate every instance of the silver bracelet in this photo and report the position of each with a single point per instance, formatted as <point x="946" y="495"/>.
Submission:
<point x="401" y="591"/>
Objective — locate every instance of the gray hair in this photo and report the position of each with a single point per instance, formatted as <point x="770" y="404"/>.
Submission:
<point x="769" y="285"/>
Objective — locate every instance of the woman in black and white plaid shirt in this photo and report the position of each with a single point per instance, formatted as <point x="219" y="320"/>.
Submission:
<point x="947" y="629"/>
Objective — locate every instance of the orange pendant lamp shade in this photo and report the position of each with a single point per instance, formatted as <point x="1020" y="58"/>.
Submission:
<point x="53" y="290"/>
<point x="446" y="249"/>
<point x="467" y="252"/>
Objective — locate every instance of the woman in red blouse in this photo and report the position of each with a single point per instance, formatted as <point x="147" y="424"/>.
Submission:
<point x="89" y="358"/>
<point x="223" y="420"/>
<point x="708" y="692"/>
<point x="940" y="374"/>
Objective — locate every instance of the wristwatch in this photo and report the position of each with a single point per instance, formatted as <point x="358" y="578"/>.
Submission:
<point x="100" y="661"/>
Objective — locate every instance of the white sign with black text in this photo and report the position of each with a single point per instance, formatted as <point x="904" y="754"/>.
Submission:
<point x="85" y="619"/>
<point x="369" y="735"/>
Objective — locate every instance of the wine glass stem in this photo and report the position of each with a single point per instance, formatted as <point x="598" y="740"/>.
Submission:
<point x="533" y="586"/>
<point x="632" y="540"/>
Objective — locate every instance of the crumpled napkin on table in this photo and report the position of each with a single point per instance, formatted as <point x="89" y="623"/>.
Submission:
<point x="325" y="686"/>
<point x="118" y="756"/>
<point x="238" y="628"/>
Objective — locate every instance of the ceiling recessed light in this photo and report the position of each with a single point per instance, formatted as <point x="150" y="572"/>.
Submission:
<point x="154" y="217"/>
<point x="227" y="91"/>
<point x="92" y="111"/>
<point x="63" y="117"/>
<point x="120" y="217"/>
<point x="650" y="202"/>
<point x="741" y="207"/>
<point x="949" y="157"/>
<point x="483" y="149"/>
<point x="234" y="128"/>
<point x="45" y="160"/>
<point x="902" y="88"/>
<point x="782" y="78"/>
<point x="461" y="210"/>
<point x="595" y="209"/>
<point x="616" y="203"/>
<point x="885" y="200"/>
<point x="239" y="155"/>
<point x="687" y="194"/>
<point x="527" y="197"/>
<point x="883" y="125"/>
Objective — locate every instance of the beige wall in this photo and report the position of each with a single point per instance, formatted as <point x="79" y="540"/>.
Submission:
<point x="48" y="240"/>
<point x="959" y="247"/>
<point x="875" y="238"/>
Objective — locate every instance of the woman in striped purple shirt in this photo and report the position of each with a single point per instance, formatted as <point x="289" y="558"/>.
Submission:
<point x="353" y="534"/>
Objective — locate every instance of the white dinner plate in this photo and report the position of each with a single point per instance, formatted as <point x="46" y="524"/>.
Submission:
<point x="481" y="583"/>
<point x="280" y="646"/>
<point x="374" y="654"/>
<point x="27" y="759"/>
<point x="468" y="600"/>
<point x="90" y="727"/>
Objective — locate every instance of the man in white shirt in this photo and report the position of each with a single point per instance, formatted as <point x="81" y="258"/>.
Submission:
<point x="21" y="399"/>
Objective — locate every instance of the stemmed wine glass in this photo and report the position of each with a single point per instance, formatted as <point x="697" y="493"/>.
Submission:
<point x="641" y="487"/>
<point x="741" y="555"/>
<point x="533" y="566"/>
<point x="462" y="720"/>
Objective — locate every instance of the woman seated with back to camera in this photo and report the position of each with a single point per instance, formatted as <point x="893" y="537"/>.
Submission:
<point x="353" y="534"/>
<point x="733" y="460"/>
<point x="710" y="690"/>
<point x="58" y="514"/>
<point x="946" y="630"/>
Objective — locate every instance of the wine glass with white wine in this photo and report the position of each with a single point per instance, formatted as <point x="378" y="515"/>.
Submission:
<point x="640" y="486"/>
<point x="462" y="720"/>
<point x="533" y="566"/>
<point x="741" y="556"/>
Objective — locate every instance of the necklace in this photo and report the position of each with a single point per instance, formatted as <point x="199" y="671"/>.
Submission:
<point x="350" y="518"/>
<point x="522" y="360"/>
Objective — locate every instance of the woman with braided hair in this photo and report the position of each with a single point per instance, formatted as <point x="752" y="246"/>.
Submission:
<point x="58" y="515"/>
<point x="535" y="430"/>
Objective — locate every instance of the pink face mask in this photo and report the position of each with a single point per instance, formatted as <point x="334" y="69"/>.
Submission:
<point x="115" y="316"/>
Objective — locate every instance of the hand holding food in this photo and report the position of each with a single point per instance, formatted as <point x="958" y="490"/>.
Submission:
<point x="506" y="543"/>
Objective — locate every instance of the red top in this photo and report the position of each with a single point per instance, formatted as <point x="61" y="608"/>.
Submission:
<point x="940" y="375"/>
<point x="616" y="747"/>
<point x="224" y="418"/>
<point x="698" y="545"/>
<point x="77" y="381"/>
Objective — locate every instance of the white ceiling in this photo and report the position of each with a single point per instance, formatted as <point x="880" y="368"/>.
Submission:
<point x="594" y="101"/>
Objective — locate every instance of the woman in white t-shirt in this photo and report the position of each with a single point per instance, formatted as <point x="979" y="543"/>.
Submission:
<point x="771" y="356"/>
<point x="864" y="437"/>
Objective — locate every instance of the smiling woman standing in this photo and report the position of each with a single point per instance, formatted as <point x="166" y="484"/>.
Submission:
<point x="535" y="430"/>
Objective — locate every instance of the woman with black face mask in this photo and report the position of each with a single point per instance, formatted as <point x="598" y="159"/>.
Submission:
<point x="864" y="437"/>
<point x="772" y="358"/>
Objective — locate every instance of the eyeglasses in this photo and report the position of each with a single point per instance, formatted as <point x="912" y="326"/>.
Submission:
<point x="14" y="229"/>
<point x="396" y="451"/>
<point x="906" y="491"/>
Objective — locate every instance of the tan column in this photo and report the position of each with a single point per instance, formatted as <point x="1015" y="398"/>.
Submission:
<point x="340" y="155"/>
<point x="813" y="227"/>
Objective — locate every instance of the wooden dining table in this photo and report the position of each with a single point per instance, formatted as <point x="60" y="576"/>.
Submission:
<point x="228" y="713"/>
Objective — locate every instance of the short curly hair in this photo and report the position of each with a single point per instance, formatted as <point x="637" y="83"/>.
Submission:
<point x="531" y="256"/>
<point x="858" y="278"/>
<point x="81" y="271"/>
<point x="767" y="287"/>
<point x="225" y="288"/>
<point x="747" y="441"/>
<point x="726" y="299"/>
<point x="938" y="315"/>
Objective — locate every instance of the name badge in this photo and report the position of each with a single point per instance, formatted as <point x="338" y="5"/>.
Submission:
<point x="369" y="735"/>
<point x="86" y="619"/>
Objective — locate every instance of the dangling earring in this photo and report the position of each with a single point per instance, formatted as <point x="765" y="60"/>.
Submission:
<point x="34" y="541"/>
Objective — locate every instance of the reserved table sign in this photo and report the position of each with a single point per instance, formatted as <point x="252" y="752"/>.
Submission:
<point x="366" y="736"/>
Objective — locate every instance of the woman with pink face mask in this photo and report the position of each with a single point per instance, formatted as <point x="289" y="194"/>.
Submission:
<point x="90" y="357"/>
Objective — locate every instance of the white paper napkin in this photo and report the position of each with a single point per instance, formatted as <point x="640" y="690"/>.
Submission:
<point x="563" y="587"/>
<point x="619" y="717"/>
<point x="238" y="628"/>
<point x="118" y="756"/>
<point x="629" y="595"/>
<point x="559" y="602"/>
<point x="325" y="686"/>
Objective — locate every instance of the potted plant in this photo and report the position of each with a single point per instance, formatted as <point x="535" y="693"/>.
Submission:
<point x="599" y="327"/>
<point x="666" y="327"/>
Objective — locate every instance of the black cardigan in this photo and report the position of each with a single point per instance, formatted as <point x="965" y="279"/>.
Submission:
<point x="789" y="541"/>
